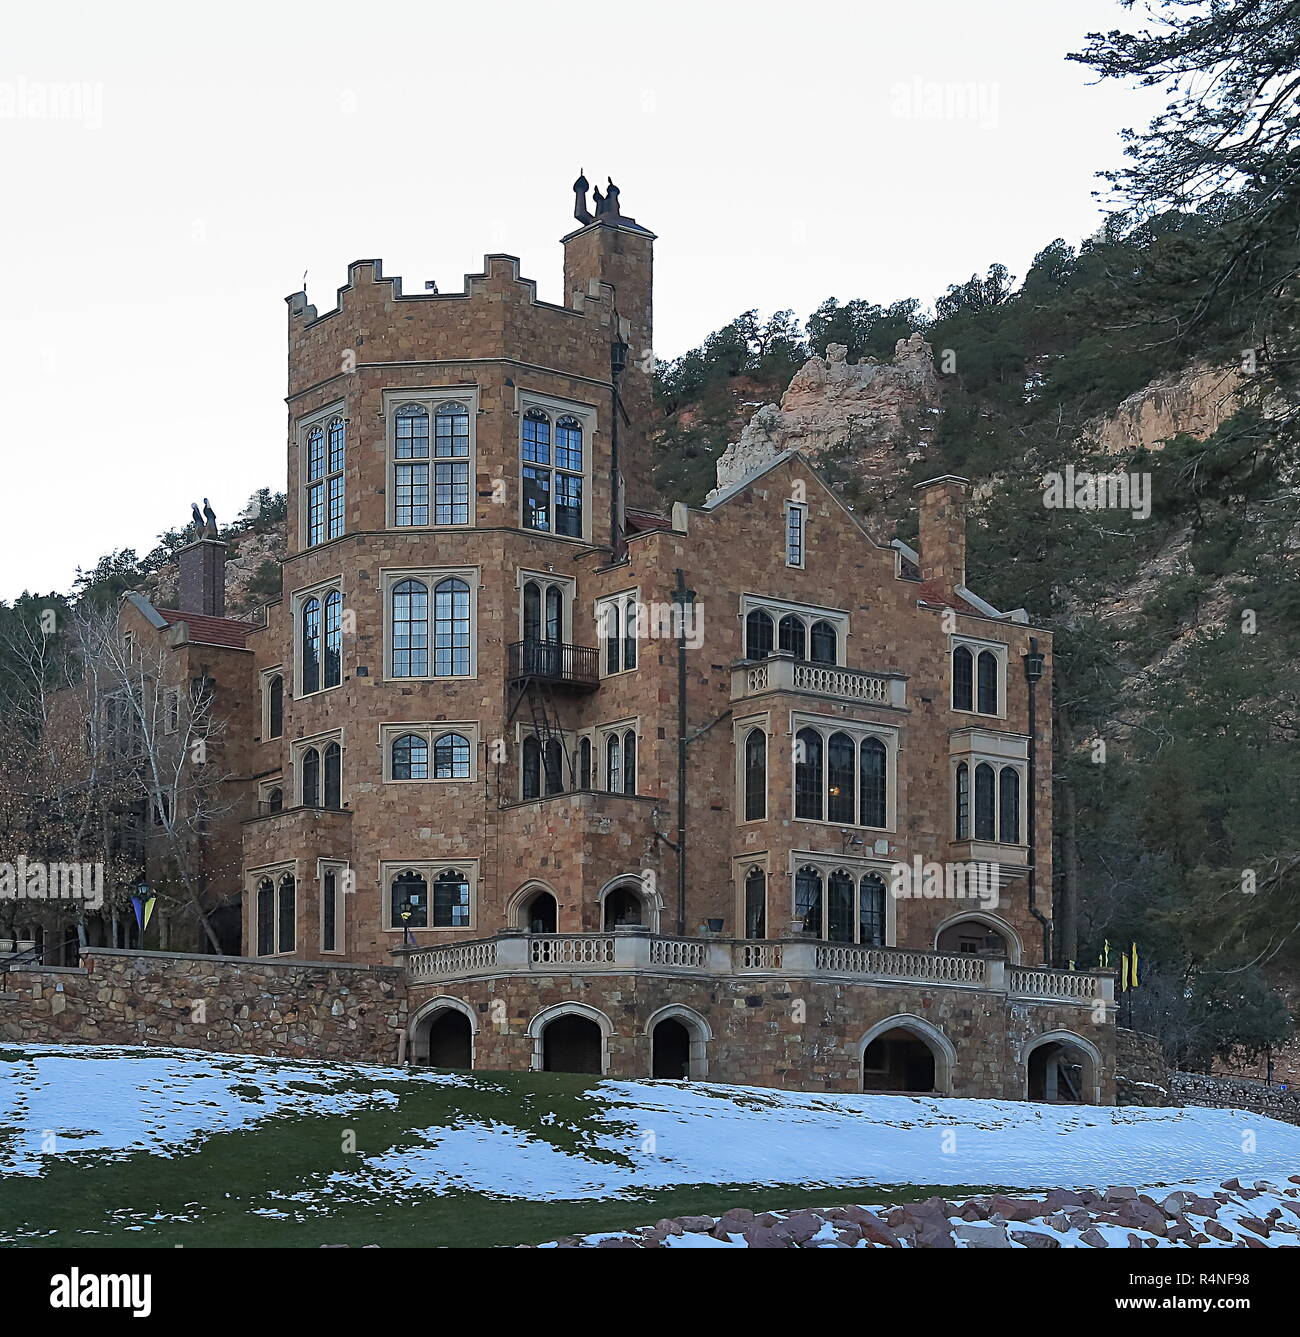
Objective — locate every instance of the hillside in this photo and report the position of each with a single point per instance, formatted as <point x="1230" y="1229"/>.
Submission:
<point x="181" y="1147"/>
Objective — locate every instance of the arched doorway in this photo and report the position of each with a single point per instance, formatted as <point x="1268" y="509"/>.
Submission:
<point x="442" y="1035"/>
<point x="1061" y="1069"/>
<point x="670" y="1050"/>
<point x="906" y="1053"/>
<point x="623" y="907"/>
<point x="974" y="937"/>
<point x="572" y="1043"/>
<point x="541" y="914"/>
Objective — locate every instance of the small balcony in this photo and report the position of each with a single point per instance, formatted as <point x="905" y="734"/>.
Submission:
<point x="561" y="665"/>
<point x="637" y="951"/>
<point x="784" y="673"/>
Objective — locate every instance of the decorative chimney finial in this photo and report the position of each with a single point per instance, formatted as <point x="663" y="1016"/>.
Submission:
<point x="580" y="188"/>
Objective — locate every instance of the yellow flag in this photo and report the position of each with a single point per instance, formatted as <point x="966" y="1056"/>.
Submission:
<point x="1123" y="970"/>
<point x="1134" y="969"/>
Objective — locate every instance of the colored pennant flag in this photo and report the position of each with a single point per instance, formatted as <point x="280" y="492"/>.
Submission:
<point x="143" y="910"/>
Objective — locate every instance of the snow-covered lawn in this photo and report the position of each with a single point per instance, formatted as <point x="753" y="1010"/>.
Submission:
<point x="544" y="1138"/>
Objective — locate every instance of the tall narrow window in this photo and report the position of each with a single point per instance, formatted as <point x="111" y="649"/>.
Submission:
<point x="411" y="466"/>
<point x="532" y="611"/>
<point x="616" y="625"/>
<point x="987" y="675"/>
<point x="329" y="910"/>
<point x="288" y="913"/>
<point x="265" y="917"/>
<point x="794" y="534"/>
<point x="315" y="486"/>
<point x="756" y="903"/>
<point x="323" y="481"/>
<point x="451" y="626"/>
<point x="275" y="799"/>
<point x="552" y="482"/>
<point x="962" y="802"/>
<point x="614" y="764"/>
<point x="841" y="779"/>
<point x="825" y="644"/>
<point x="793" y="636"/>
<point x="871" y="911"/>
<point x="553" y="766"/>
<point x="755" y="775"/>
<point x="409" y="900"/>
<point x="808" y="774"/>
<point x="451" y="899"/>
<point x="333" y="776"/>
<point x="629" y="634"/>
<point x="629" y="762"/>
<point x="532" y="767"/>
<point x="334" y="484"/>
<point x="985" y="803"/>
<point x="758" y="635"/>
<point x="554" y="615"/>
<point x="451" y="757"/>
<point x="310" y="778"/>
<point x="839" y="906"/>
<point x="874" y="772"/>
<point x="311" y="646"/>
<point x="963" y="679"/>
<point x="451" y="465"/>
<point x="410" y="758"/>
<point x="275" y="707"/>
<point x="410" y="622"/>
<point x="584" y="763"/>
<point x="333" y="674"/>
<point x="808" y="899"/>
<point x="1009" y="806"/>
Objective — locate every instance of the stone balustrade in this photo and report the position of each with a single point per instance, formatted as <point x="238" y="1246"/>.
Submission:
<point x="782" y="673"/>
<point x="638" y="950"/>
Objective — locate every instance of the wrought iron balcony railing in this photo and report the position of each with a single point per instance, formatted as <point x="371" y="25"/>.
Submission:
<point x="570" y="665"/>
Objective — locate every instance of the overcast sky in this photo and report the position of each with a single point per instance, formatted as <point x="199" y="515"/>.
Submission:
<point x="171" y="172"/>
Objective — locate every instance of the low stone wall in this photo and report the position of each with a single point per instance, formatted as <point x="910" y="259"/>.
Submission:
<point x="235" y="1005"/>
<point x="1141" y="1073"/>
<point x="1237" y="1093"/>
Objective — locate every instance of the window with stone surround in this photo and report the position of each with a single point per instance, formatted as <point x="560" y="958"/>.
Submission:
<point x="617" y="749"/>
<point x="431" y="623"/>
<point x="322" y="461"/>
<point x="844" y="772"/>
<point x="995" y="813"/>
<point x="443" y="751"/>
<point x="318" y="633"/>
<point x="555" y="465"/>
<point x="273" y="896"/>
<point x="333" y="876"/>
<point x="616" y="630"/>
<point x="818" y="635"/>
<point x="754" y="903"/>
<point x="431" y="457"/>
<point x="979" y="675"/>
<point x="424" y="895"/>
<point x="318" y="766"/>
<point x="842" y="900"/>
<point x="796" y="516"/>
<point x="272" y="703"/>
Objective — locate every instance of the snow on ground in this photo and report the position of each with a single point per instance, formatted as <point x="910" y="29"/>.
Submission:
<point x="642" y="1135"/>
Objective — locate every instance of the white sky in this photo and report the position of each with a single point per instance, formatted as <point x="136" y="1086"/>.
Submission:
<point x="201" y="161"/>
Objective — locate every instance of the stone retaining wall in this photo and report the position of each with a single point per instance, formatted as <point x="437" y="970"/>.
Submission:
<point x="289" y="1009"/>
<point x="1238" y="1093"/>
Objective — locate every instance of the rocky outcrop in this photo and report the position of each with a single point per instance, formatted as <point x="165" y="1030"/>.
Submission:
<point x="864" y="408"/>
<point x="1195" y="402"/>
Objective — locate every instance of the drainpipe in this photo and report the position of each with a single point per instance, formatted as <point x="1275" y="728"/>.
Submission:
<point x="617" y="366"/>
<point x="1033" y="662"/>
<point x="683" y="599"/>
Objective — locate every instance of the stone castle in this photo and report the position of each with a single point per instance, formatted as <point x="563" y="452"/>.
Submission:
<point x="600" y="787"/>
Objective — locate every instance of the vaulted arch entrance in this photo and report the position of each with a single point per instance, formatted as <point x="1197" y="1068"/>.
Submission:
<point x="442" y="1035"/>
<point x="906" y="1053"/>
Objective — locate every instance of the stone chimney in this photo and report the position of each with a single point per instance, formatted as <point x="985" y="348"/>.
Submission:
<point x="942" y="506"/>
<point x="203" y="578"/>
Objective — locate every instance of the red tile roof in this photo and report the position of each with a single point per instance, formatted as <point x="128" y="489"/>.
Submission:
<point x="932" y="592"/>
<point x="641" y="521"/>
<point x="205" y="630"/>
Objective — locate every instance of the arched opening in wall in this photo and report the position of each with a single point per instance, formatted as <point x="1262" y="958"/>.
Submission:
<point x="974" y="938"/>
<point x="623" y="907"/>
<point x="906" y="1054"/>
<point x="1060" y="1071"/>
<point x="541" y="914"/>
<point x="443" y="1038"/>
<point x="572" y="1043"/>
<point x="670" y="1050"/>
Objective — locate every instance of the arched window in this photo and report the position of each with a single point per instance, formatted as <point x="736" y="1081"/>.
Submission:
<point x="310" y="778"/>
<point x="553" y="766"/>
<point x="987" y="669"/>
<point x="758" y="635"/>
<point x="451" y="757"/>
<point x="275" y="799"/>
<point x="451" y="899"/>
<point x="614" y="764"/>
<point x="841" y="779"/>
<point x="808" y="796"/>
<point x="755" y="775"/>
<point x="985" y="803"/>
<point x="808" y="899"/>
<point x="315" y="486"/>
<point x="275" y="707"/>
<point x="584" y="763"/>
<point x="535" y="447"/>
<point x="265" y="917"/>
<point x="629" y="634"/>
<point x="337" y="431"/>
<point x="410" y="757"/>
<point x="871" y="911"/>
<point x="411" y="469"/>
<point x="1009" y="806"/>
<point x="451" y="628"/>
<point x="756" y="903"/>
<point x="962" y="802"/>
<point x="288" y="916"/>
<point x="410" y="623"/>
<point x="629" y="762"/>
<point x="315" y="454"/>
<point x="334" y="485"/>
<point x="963" y="679"/>
<point x="532" y="767"/>
<point x="329" y="910"/>
<point x="333" y="776"/>
<point x="333" y="638"/>
<point x="568" y="444"/>
<point x="792" y="636"/>
<point x="532" y="611"/>
<point x="451" y="467"/>
<point x="311" y="646"/>
<point x="554" y="615"/>
<point x="839" y="906"/>
<point x="825" y="644"/>
<point x="409" y="900"/>
<point x="874" y="772"/>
